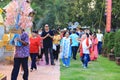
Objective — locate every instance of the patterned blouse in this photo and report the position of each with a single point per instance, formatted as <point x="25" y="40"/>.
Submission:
<point x="22" y="51"/>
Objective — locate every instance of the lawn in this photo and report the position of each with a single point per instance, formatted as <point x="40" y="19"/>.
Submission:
<point x="102" y="69"/>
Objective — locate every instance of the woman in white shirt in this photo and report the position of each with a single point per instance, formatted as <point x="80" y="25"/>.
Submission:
<point x="85" y="46"/>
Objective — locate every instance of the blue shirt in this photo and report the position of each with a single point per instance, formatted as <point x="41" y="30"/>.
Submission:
<point x="74" y="38"/>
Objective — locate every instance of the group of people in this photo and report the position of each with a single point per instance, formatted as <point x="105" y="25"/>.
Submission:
<point x="34" y="46"/>
<point x="66" y="42"/>
<point x="87" y="43"/>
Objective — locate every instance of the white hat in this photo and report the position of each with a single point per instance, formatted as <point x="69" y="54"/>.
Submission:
<point x="65" y="29"/>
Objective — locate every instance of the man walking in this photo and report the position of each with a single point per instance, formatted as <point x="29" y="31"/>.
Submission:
<point x="47" y="35"/>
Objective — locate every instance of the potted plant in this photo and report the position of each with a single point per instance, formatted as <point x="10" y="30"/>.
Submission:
<point x="111" y="55"/>
<point x="117" y="47"/>
<point x="110" y="44"/>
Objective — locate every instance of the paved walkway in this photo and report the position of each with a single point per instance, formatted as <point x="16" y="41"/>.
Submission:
<point x="44" y="72"/>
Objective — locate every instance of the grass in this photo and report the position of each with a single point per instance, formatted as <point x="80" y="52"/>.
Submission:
<point x="102" y="69"/>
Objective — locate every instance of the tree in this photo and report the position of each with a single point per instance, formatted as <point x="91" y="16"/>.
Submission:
<point x="4" y="3"/>
<point x="60" y="12"/>
<point x="53" y="12"/>
<point x="115" y="14"/>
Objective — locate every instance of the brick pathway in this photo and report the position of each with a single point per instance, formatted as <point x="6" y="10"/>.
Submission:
<point x="43" y="72"/>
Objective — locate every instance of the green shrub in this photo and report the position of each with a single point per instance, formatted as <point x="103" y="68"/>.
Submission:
<point x="105" y="44"/>
<point x="117" y="44"/>
<point x="111" y="41"/>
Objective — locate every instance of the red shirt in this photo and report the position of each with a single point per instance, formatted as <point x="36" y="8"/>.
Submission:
<point x="41" y="41"/>
<point x="35" y="44"/>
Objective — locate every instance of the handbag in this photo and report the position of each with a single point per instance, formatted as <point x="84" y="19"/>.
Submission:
<point x="54" y="47"/>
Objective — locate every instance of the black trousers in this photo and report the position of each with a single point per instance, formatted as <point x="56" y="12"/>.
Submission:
<point x="33" y="58"/>
<point x="56" y="53"/>
<point x="41" y="54"/>
<point x="49" y="50"/>
<point x="16" y="67"/>
<point x="74" y="51"/>
<point x="99" y="47"/>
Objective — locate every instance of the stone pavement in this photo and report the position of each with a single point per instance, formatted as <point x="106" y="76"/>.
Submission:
<point x="43" y="72"/>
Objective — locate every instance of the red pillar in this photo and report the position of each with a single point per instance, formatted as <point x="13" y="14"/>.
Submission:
<point x="108" y="15"/>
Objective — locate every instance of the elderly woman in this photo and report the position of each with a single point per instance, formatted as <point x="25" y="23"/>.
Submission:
<point x="34" y="49"/>
<point x="66" y="50"/>
<point x="21" y="56"/>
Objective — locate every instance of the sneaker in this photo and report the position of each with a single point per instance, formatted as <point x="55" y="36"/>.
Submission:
<point x="53" y="64"/>
<point x="47" y="63"/>
<point x="85" y="67"/>
<point x="74" y="59"/>
<point x="38" y="63"/>
<point x="82" y="65"/>
<point x="67" y="66"/>
<point x="64" y="65"/>
<point x="41" y="59"/>
<point x="31" y="70"/>
<point x="35" y="69"/>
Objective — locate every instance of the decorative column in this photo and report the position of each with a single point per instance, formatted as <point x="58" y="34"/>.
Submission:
<point x="108" y="15"/>
<point x="1" y="24"/>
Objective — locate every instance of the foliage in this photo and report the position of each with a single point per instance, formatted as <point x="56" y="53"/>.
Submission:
<point x="4" y="3"/>
<point x="64" y="11"/>
<point x="105" y="44"/>
<point x="116" y="13"/>
<point x="53" y="12"/>
<point x="111" y="41"/>
<point x="97" y="70"/>
<point x="60" y="12"/>
<point x="117" y="43"/>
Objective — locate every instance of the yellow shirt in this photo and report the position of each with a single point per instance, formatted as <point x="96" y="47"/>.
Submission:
<point x="1" y="18"/>
<point x="56" y="39"/>
<point x="1" y="11"/>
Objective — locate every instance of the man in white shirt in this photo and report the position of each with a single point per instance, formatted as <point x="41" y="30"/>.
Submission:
<point x="100" y="38"/>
